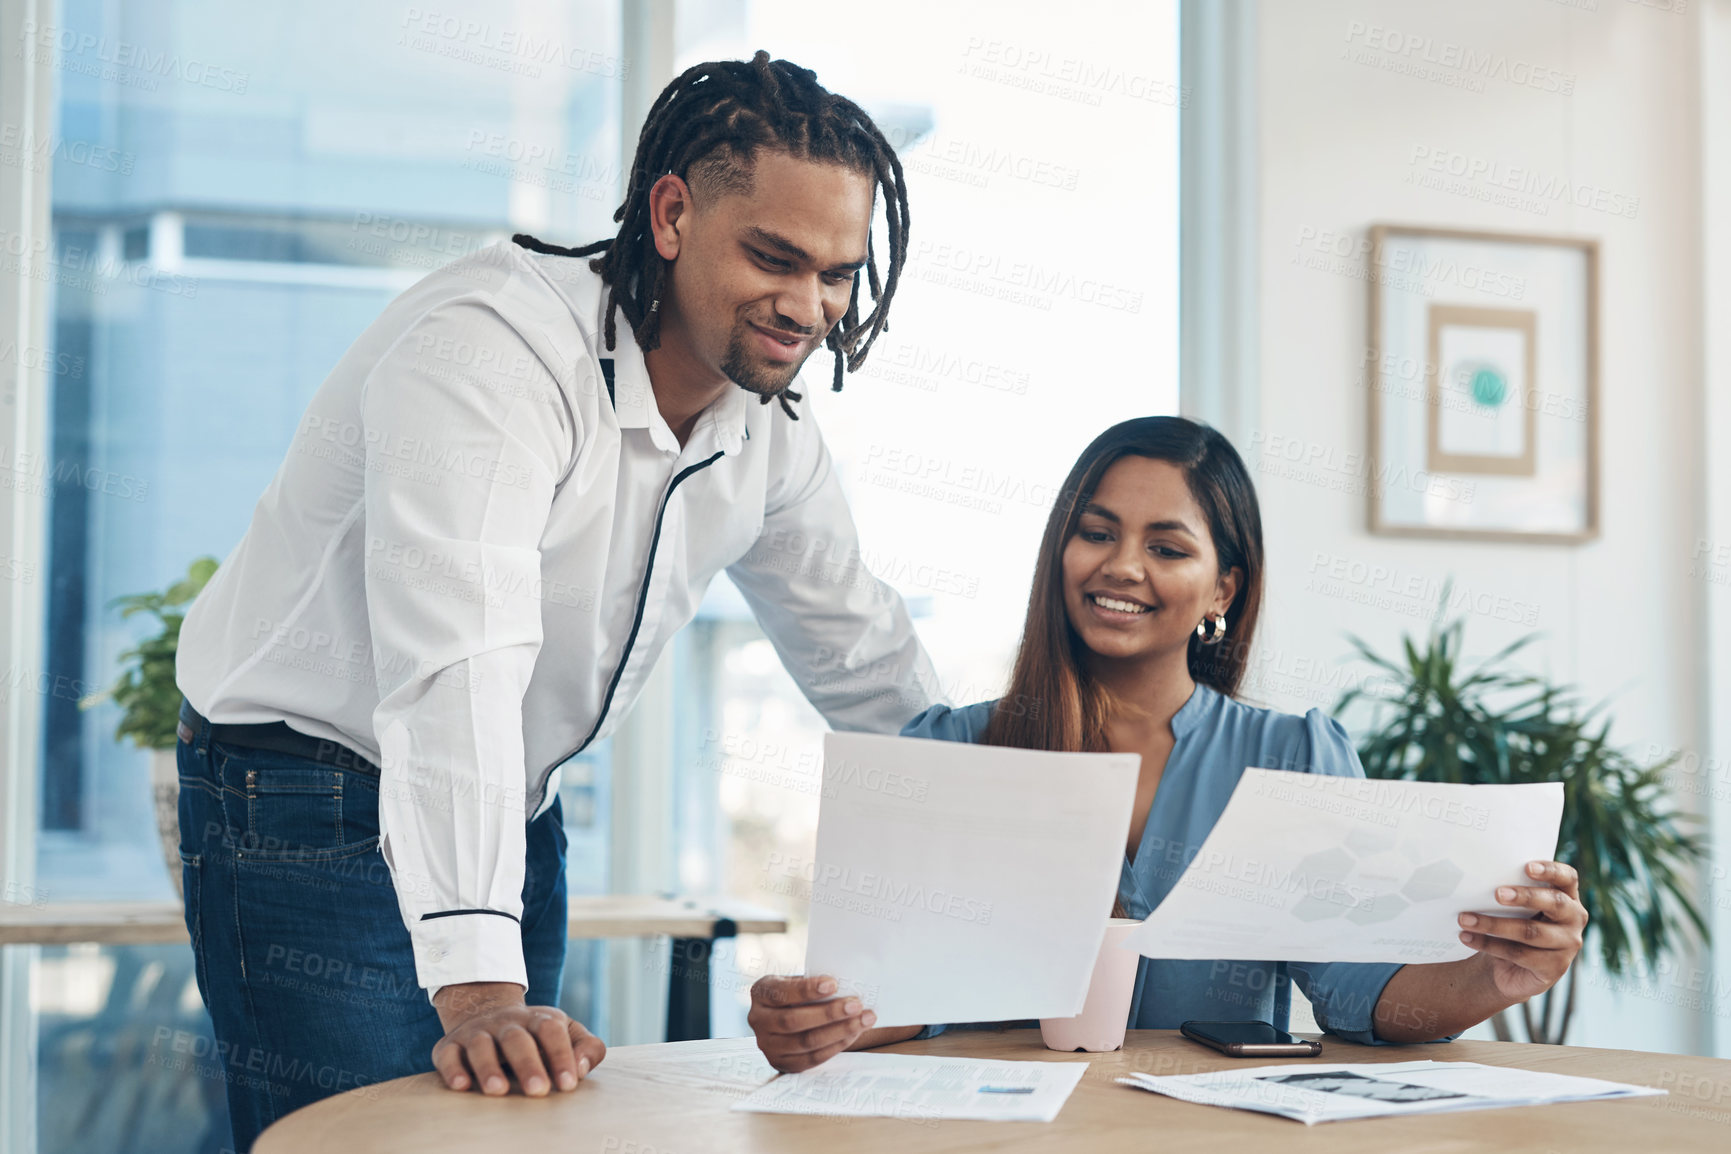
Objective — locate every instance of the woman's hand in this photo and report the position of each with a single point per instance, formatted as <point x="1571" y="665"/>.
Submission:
<point x="800" y="1024"/>
<point x="1529" y="955"/>
<point x="486" y="1022"/>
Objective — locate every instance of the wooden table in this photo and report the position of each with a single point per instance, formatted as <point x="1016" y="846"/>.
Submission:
<point x="694" y="924"/>
<point x="674" y="1099"/>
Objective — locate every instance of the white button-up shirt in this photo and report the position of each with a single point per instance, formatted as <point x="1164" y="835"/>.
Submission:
<point x="477" y="547"/>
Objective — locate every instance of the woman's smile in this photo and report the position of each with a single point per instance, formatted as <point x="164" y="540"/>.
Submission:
<point x="1117" y="609"/>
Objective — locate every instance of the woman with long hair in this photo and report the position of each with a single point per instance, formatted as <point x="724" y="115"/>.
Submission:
<point x="1144" y="606"/>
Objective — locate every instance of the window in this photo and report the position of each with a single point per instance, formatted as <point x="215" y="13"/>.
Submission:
<point x="231" y="209"/>
<point x="1039" y="306"/>
<point x="236" y="193"/>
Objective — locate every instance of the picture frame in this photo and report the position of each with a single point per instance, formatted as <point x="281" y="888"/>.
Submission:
<point x="1481" y="375"/>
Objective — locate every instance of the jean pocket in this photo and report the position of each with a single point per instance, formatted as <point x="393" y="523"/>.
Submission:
<point x="298" y="810"/>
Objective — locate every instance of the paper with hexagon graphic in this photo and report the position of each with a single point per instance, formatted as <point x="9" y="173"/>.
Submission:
<point x="1308" y="867"/>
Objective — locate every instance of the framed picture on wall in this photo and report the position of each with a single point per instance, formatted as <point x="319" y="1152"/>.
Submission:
<point x="1482" y="379"/>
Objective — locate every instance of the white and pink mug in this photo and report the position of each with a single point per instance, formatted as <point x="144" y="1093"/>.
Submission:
<point x="1101" y="1024"/>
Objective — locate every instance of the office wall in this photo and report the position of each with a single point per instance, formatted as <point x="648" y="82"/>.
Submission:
<point x="1345" y="128"/>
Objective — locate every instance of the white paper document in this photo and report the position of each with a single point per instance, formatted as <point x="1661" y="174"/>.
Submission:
<point x="964" y="883"/>
<point x="1334" y="1093"/>
<point x="922" y="1089"/>
<point x="1306" y="867"/>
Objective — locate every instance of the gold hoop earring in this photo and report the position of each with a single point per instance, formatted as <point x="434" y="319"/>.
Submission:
<point x="1212" y="630"/>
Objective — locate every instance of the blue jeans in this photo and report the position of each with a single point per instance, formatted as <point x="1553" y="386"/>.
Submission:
<point x="302" y="956"/>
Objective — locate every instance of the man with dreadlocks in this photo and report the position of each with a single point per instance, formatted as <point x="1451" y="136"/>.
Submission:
<point x="499" y="508"/>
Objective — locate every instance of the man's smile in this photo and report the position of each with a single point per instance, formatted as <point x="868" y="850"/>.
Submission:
<point x="779" y="344"/>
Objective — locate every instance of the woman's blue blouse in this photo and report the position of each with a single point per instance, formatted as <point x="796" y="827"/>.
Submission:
<point x="1216" y="738"/>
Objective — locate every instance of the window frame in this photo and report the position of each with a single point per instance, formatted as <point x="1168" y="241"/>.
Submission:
<point x="1714" y="735"/>
<point x="24" y="302"/>
<point x="1218" y="209"/>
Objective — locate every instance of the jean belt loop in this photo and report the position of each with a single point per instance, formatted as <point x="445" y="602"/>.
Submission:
<point x="199" y="726"/>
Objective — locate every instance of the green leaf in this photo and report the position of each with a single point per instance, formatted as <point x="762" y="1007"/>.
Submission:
<point x="145" y="690"/>
<point x="1498" y="724"/>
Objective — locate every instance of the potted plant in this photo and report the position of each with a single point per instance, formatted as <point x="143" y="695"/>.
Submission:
<point x="1434" y="720"/>
<point x="150" y="700"/>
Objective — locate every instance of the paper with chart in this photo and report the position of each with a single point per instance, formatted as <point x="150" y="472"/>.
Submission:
<point x="1335" y="1093"/>
<point x="1307" y="867"/>
<point x="963" y="883"/>
<point x="922" y="1089"/>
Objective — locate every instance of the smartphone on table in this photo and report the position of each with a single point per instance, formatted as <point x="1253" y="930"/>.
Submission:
<point x="1249" y="1040"/>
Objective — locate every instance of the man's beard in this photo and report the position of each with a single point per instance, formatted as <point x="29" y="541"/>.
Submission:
<point x="752" y="375"/>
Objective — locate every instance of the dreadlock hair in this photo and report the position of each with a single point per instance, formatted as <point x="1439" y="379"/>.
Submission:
<point x="712" y="119"/>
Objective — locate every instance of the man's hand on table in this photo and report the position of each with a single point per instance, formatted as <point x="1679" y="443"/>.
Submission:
<point x="800" y="1024"/>
<point x="489" y="1030"/>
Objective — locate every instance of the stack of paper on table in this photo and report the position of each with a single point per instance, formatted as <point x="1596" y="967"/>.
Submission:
<point x="922" y="1089"/>
<point x="964" y="883"/>
<point x="1314" y="1093"/>
<point x="1306" y="867"/>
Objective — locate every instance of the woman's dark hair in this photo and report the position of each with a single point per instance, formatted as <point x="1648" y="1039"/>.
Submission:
<point x="1052" y="702"/>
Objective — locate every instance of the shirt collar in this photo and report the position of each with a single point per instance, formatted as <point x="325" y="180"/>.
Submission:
<point x="1191" y="711"/>
<point x="635" y="407"/>
<point x="634" y="399"/>
<point x="726" y="418"/>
